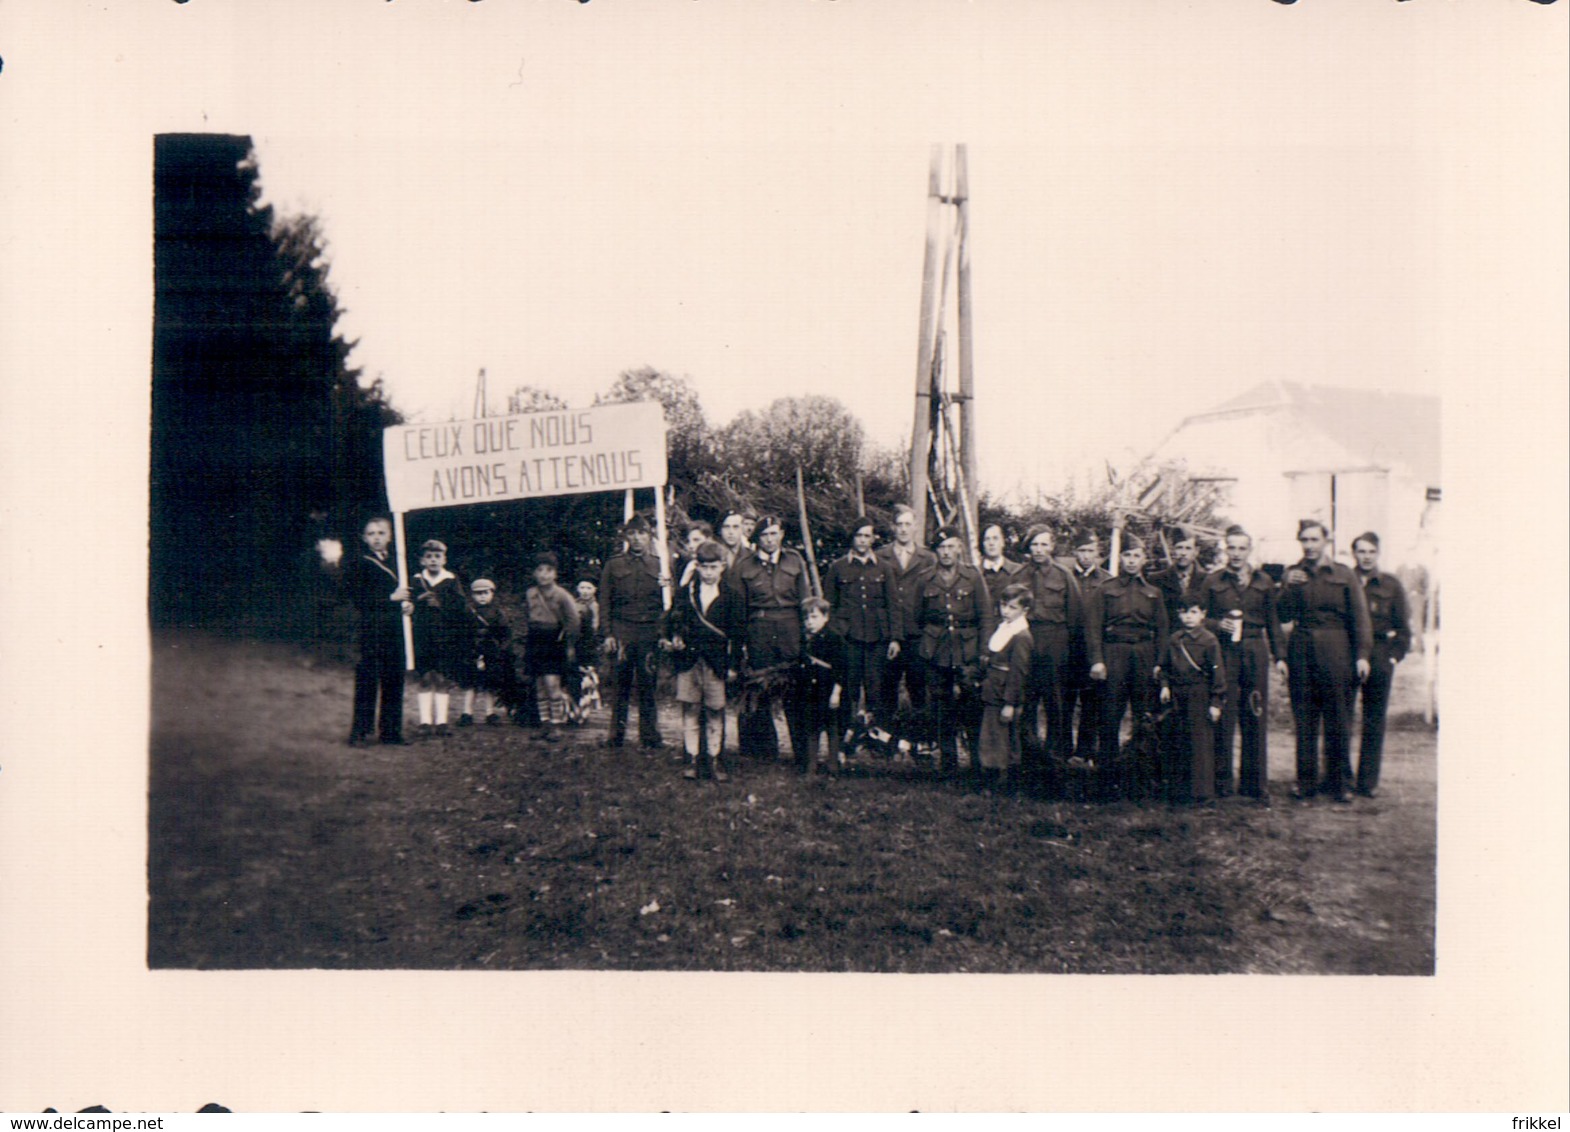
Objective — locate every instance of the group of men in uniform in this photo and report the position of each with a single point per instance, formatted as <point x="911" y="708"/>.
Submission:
<point x="915" y="622"/>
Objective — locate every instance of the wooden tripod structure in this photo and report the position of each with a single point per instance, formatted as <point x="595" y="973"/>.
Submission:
<point x="943" y="436"/>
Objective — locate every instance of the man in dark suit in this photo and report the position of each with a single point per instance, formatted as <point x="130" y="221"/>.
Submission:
<point x="370" y="579"/>
<point x="1082" y="692"/>
<point x="1056" y="618"/>
<point x="863" y="593"/>
<point x="1125" y="625"/>
<point x="633" y="609"/>
<point x="1327" y="657"/>
<point x="1392" y="628"/>
<point x="1180" y="575"/>
<point x="770" y="585"/>
<point x="910" y="563"/>
<point x="956" y="615"/>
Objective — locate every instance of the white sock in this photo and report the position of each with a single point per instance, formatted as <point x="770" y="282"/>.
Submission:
<point x="424" y="699"/>
<point x="441" y="708"/>
<point x="468" y="701"/>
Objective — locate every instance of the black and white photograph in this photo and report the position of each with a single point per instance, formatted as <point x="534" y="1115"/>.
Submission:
<point x="574" y="557"/>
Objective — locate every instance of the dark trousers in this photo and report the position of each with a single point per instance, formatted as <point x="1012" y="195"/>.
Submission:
<point x="380" y="670"/>
<point x="1188" y="767"/>
<point x="950" y="708"/>
<point x="863" y="673"/>
<point x="812" y="719"/>
<point x="904" y="669"/>
<point x="1083" y="694"/>
<point x="1247" y="710"/>
<point x="636" y="665"/>
<point x="1130" y="686"/>
<point x="755" y="732"/>
<point x="1323" y="690"/>
<point x="1047" y="693"/>
<point x="1376" y="703"/>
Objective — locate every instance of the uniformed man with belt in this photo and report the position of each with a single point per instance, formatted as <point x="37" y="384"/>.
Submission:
<point x="770" y="584"/>
<point x="956" y="614"/>
<point x="1240" y="609"/>
<point x="1056" y="618"/>
<point x="1327" y="657"/>
<point x="1125" y="624"/>
<point x="1081" y="691"/>
<point x="1392" y="629"/>
<point x="864" y="594"/>
<point x="633" y="609"/>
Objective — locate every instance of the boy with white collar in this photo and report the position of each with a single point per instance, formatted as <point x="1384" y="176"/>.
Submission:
<point x="440" y="631"/>
<point x="1003" y="686"/>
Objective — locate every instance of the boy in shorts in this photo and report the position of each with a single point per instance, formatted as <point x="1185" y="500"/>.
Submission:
<point x="552" y="642"/>
<point x="701" y="639"/>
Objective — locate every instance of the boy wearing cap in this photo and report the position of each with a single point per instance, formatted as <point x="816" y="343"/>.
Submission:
<point x="441" y="636"/>
<point x="701" y="633"/>
<point x="371" y="581"/>
<point x="863" y="594"/>
<point x="770" y="585"/>
<point x="552" y="641"/>
<point x="1125" y="624"/>
<point x="956" y="615"/>
<point x="490" y="683"/>
<point x="633" y="610"/>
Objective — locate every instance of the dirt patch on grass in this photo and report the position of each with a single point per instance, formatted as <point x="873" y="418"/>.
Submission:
<point x="274" y="845"/>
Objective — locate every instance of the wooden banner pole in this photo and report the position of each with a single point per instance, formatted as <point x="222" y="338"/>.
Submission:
<point x="401" y="553"/>
<point x="806" y="534"/>
<point x="664" y="545"/>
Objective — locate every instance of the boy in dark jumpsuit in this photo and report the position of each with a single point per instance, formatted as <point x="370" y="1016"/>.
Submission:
<point x="1192" y="680"/>
<point x="821" y="683"/>
<point x="1327" y="657"/>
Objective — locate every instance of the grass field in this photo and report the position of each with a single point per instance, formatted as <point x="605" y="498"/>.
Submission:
<point x="274" y="845"/>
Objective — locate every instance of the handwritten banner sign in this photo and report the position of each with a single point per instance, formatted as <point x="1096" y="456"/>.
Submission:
<point x="524" y="456"/>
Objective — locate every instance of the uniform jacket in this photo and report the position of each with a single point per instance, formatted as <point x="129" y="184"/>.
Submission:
<point x="630" y="598"/>
<point x="1123" y="610"/>
<point x="368" y="583"/>
<point x="1174" y="587"/>
<point x="1003" y="575"/>
<point x="1387" y="613"/>
<point x="1056" y="596"/>
<point x="865" y="597"/>
<point x="492" y="634"/>
<point x="712" y="635"/>
<point x="1192" y="658"/>
<point x="956" y="614"/>
<point x="1008" y="671"/>
<point x="769" y="597"/>
<point x="1329" y="615"/>
<point x="1224" y="591"/>
<point x="823" y="662"/>
<point x="908" y="581"/>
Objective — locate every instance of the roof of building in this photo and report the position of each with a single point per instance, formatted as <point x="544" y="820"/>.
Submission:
<point x="1388" y="427"/>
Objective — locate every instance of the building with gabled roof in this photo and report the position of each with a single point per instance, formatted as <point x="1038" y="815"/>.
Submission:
<point x="1355" y="459"/>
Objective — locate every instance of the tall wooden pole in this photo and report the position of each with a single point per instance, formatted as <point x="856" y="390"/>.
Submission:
<point x="921" y="431"/>
<point x="967" y="374"/>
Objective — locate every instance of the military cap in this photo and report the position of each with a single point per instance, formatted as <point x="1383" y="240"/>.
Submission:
<point x="863" y="524"/>
<point x="547" y="558"/>
<point x="1086" y="537"/>
<point x="431" y="544"/>
<point x="1036" y="532"/>
<point x="635" y="524"/>
<point x="768" y="522"/>
<point x="1131" y="541"/>
<point x="944" y="534"/>
<point x="482" y="585"/>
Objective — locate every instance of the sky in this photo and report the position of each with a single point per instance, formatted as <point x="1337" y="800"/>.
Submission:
<point x="1170" y="204"/>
